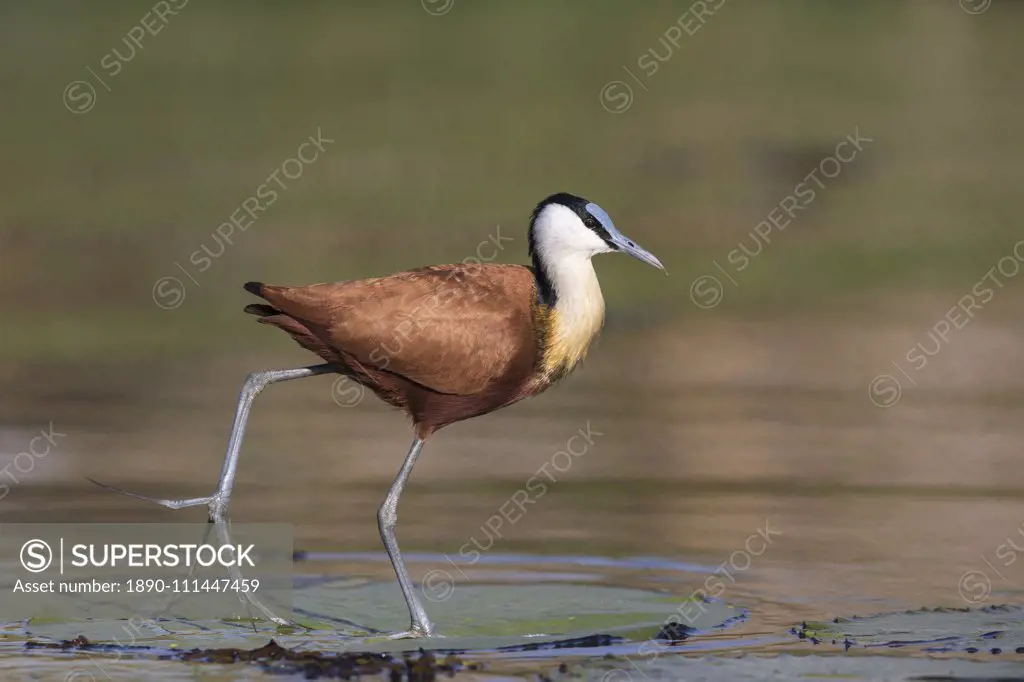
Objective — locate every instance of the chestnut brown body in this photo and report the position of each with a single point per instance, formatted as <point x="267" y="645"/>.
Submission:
<point x="444" y="343"/>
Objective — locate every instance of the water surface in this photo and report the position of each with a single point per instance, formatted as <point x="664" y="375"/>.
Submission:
<point x="813" y="520"/>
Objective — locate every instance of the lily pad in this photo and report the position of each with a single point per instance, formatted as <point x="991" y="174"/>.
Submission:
<point x="990" y="629"/>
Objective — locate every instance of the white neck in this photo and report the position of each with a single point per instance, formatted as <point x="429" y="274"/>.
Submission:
<point x="578" y="312"/>
<point x="578" y="297"/>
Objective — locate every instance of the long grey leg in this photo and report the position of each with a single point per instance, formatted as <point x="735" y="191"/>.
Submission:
<point x="236" y="574"/>
<point x="218" y="502"/>
<point x="387" y="517"/>
<point x="254" y="384"/>
<point x="224" y="538"/>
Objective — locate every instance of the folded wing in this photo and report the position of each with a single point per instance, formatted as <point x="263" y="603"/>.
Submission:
<point x="451" y="328"/>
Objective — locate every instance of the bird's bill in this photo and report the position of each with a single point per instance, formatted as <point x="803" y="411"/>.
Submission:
<point x="626" y="245"/>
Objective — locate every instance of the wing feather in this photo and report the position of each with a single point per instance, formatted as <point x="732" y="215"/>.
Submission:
<point x="451" y="328"/>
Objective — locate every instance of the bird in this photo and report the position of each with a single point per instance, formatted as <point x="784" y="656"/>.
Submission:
<point x="443" y="343"/>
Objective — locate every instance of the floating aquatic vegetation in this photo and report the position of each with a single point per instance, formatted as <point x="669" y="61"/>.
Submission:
<point x="273" y="658"/>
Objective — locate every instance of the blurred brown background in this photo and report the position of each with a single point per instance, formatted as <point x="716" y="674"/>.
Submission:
<point x="449" y="119"/>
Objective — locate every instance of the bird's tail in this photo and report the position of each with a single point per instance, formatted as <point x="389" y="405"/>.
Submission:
<point x="255" y="288"/>
<point x="261" y="310"/>
<point x="297" y="329"/>
<point x="258" y="309"/>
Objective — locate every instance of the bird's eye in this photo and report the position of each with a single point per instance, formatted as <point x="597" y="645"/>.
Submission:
<point x="590" y="222"/>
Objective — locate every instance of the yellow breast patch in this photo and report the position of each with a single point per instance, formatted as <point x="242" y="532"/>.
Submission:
<point x="566" y="339"/>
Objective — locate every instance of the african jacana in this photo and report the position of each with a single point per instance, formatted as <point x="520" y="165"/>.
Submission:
<point x="477" y="337"/>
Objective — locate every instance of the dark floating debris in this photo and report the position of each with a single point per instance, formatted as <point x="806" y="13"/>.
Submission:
<point x="414" y="666"/>
<point x="674" y="633"/>
<point x="80" y="643"/>
<point x="314" y="666"/>
<point x="587" y="642"/>
<point x="311" y="665"/>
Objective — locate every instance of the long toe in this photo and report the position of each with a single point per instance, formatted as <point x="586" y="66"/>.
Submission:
<point x="170" y="504"/>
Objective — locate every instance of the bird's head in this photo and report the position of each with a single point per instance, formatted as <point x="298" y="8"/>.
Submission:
<point x="567" y="226"/>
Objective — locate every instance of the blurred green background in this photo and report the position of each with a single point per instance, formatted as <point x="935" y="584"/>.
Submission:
<point x="449" y="125"/>
<point x="449" y="120"/>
